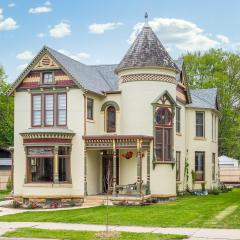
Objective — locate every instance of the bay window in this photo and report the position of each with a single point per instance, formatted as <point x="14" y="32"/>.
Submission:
<point x="90" y="109"/>
<point x="178" y="120"/>
<point x="44" y="107"/>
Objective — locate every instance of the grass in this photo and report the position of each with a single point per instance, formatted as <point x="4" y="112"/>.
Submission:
<point x="87" y="235"/>
<point x="190" y="211"/>
<point x="3" y="194"/>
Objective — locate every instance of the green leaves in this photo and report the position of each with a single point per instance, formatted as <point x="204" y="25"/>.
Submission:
<point x="220" y="69"/>
<point x="6" y="113"/>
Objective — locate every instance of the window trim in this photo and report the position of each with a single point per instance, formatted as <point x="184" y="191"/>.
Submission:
<point x="203" y="125"/>
<point x="57" y="110"/>
<point x="44" y="107"/>
<point x="178" y="110"/>
<point x="203" y="179"/>
<point x="178" y="179"/>
<point x="92" y="108"/>
<point x="42" y="78"/>
<point x="214" y="166"/>
<point x="41" y="111"/>
<point x="111" y="130"/>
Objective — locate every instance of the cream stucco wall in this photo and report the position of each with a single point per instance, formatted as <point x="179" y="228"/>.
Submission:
<point x="75" y="122"/>
<point x="206" y="144"/>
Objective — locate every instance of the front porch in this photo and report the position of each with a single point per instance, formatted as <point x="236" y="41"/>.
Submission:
<point x="117" y="165"/>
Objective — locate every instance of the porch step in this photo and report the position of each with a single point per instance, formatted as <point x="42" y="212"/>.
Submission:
<point x="94" y="200"/>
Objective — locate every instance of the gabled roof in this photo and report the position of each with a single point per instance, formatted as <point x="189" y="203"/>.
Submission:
<point x="147" y="51"/>
<point x="97" y="79"/>
<point x="204" y="98"/>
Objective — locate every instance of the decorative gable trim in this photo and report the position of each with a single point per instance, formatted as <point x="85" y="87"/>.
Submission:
<point x="167" y="95"/>
<point x="31" y="66"/>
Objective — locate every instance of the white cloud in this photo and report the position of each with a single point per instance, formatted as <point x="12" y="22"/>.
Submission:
<point x="21" y="67"/>
<point x="41" y="35"/>
<point x="223" y="39"/>
<point x="60" y="30"/>
<point x="100" y="28"/>
<point x="40" y="10"/>
<point x="11" y="5"/>
<point x="178" y="33"/>
<point x="47" y="3"/>
<point x="7" y="24"/>
<point x="26" y="55"/>
<point x="1" y="13"/>
<point x="78" y="56"/>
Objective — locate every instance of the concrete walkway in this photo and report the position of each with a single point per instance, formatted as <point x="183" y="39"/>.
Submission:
<point x="193" y="233"/>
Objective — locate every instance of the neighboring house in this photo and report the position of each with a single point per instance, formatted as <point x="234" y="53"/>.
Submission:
<point x="5" y="167"/>
<point x="136" y="122"/>
<point x="229" y="170"/>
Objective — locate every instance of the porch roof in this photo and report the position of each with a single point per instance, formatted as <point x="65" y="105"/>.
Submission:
<point x="117" y="137"/>
<point x="120" y="141"/>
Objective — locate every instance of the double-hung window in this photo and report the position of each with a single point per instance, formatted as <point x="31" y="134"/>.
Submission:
<point x="90" y="109"/>
<point x="36" y="110"/>
<point x="47" y="78"/>
<point x="178" y="165"/>
<point x="178" y="120"/>
<point x="200" y="124"/>
<point x="213" y="166"/>
<point x="49" y="109"/>
<point x="200" y="166"/>
<point x="62" y="109"/>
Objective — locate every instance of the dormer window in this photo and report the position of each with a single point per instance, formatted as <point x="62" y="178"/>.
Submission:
<point x="47" y="78"/>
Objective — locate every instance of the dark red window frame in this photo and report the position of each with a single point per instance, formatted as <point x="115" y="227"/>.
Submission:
<point x="57" y="112"/>
<point x="32" y="111"/>
<point x="111" y="109"/>
<point x="45" y="110"/>
<point x="163" y="135"/>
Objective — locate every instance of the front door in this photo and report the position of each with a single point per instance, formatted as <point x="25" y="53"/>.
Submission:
<point x="107" y="171"/>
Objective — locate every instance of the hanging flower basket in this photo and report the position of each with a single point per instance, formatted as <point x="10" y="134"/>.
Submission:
<point x="127" y="155"/>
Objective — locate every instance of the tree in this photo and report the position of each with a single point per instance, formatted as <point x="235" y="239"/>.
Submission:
<point x="220" y="69"/>
<point x="6" y="113"/>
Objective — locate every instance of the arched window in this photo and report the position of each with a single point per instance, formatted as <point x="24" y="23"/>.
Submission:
<point x="111" y="119"/>
<point x="163" y="130"/>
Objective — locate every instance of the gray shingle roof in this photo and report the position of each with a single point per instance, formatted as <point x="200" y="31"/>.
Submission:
<point x="88" y="77"/>
<point x="147" y="50"/>
<point x="204" y="98"/>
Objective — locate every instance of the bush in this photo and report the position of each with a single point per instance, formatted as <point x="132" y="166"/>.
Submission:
<point x="16" y="204"/>
<point x="215" y="191"/>
<point x="9" y="184"/>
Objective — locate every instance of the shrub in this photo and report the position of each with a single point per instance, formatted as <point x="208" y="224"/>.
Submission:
<point x="215" y="191"/>
<point x="16" y="204"/>
<point x="9" y="184"/>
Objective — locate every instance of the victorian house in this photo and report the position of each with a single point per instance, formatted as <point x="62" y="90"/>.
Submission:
<point x="131" y="129"/>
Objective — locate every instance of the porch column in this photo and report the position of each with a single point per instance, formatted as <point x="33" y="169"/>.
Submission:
<point x="85" y="170"/>
<point x="114" y="169"/>
<point x="148" y="171"/>
<point x="139" y="166"/>
<point x="55" y="165"/>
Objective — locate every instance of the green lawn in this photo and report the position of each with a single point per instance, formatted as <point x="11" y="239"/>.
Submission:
<point x="86" y="235"/>
<point x="191" y="211"/>
<point x="3" y="194"/>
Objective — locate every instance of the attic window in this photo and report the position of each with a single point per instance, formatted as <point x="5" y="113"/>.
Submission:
<point x="47" y="78"/>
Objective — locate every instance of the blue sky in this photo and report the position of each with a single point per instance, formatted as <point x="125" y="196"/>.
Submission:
<point x="100" y="31"/>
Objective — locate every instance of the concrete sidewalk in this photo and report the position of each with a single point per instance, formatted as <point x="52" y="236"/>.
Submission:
<point x="193" y="233"/>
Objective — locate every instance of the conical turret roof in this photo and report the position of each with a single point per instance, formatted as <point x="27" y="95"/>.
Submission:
<point x="147" y="51"/>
